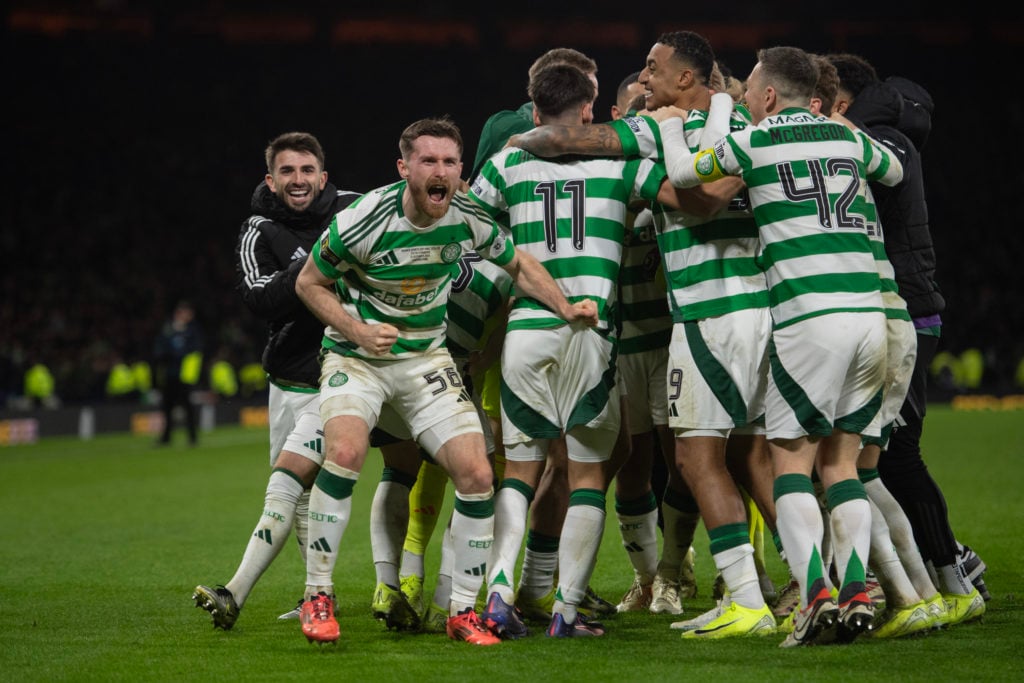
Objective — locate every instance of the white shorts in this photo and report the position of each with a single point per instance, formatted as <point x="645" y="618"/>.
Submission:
<point x="827" y="372"/>
<point x="425" y="393"/>
<point x="718" y="371"/>
<point x="558" y="381"/>
<point x="900" y="357"/>
<point x="643" y="378"/>
<point x="295" y="423"/>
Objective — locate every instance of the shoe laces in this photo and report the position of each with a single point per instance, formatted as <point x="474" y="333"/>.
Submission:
<point x="321" y="607"/>
<point x="670" y="591"/>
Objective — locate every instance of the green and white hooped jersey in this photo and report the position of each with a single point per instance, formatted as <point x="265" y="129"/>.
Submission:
<point x="391" y="271"/>
<point x="643" y="309"/>
<point x="569" y="215"/>
<point x="710" y="265"/>
<point x="895" y="306"/>
<point x="479" y="291"/>
<point x="806" y="176"/>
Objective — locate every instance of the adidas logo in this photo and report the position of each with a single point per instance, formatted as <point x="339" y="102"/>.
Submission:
<point x="672" y="410"/>
<point x="321" y="545"/>
<point x="388" y="259"/>
<point x="464" y="396"/>
<point x="315" y="445"/>
<point x="299" y="253"/>
<point x="426" y="510"/>
<point x="633" y="547"/>
<point x="264" y="534"/>
<point x="479" y="570"/>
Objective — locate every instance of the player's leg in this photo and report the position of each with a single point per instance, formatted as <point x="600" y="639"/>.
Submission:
<point x="296" y="453"/>
<point x="389" y="517"/>
<point x="348" y="409"/>
<point x="636" y="507"/>
<point x="426" y="499"/>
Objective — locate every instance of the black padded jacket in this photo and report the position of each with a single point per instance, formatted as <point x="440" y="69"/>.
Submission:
<point x="272" y="247"/>
<point x="879" y="110"/>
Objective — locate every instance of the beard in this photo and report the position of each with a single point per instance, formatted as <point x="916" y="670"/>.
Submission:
<point x="299" y="202"/>
<point x="433" y="199"/>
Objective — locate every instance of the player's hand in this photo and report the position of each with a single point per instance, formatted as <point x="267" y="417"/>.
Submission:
<point x="664" y="113"/>
<point x="584" y="311"/>
<point x="377" y="339"/>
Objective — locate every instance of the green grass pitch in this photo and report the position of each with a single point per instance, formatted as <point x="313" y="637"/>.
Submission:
<point x="103" y="540"/>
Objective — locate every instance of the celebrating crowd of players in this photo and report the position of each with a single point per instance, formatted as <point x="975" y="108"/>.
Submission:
<point x="738" y="284"/>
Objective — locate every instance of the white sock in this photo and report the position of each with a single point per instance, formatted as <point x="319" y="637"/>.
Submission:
<point x="640" y="539"/>
<point x="577" y="555"/>
<point x="328" y="518"/>
<point x="851" y="538"/>
<point x="951" y="581"/>
<point x="899" y="591"/>
<point x="902" y="535"/>
<point x="539" y="569"/>
<point x="680" y="528"/>
<point x="443" y="591"/>
<point x="302" y="524"/>
<point x="269" y="537"/>
<point x="472" y="538"/>
<point x="740" y="575"/>
<point x="412" y="564"/>
<point x="510" y="510"/>
<point x="389" y="518"/>
<point x="801" y="528"/>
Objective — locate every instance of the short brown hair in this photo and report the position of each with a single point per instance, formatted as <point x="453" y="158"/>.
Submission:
<point x="442" y="127"/>
<point x="297" y="142"/>
<point x="828" y="84"/>
<point x="563" y="55"/>
<point x="558" y="88"/>
<point x="790" y="70"/>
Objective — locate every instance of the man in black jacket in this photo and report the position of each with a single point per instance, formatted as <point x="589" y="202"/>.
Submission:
<point x="178" y="355"/>
<point x="897" y="113"/>
<point x="290" y="209"/>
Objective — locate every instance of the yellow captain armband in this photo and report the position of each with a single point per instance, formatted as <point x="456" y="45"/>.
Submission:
<point x="706" y="166"/>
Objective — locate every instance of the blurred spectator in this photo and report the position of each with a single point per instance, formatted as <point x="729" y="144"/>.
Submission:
<point x="178" y="355"/>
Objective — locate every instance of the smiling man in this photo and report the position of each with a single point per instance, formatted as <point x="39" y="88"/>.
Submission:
<point x="289" y="211"/>
<point x="380" y="279"/>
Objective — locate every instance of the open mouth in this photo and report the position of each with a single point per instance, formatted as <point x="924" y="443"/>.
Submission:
<point x="437" y="193"/>
<point x="299" y="192"/>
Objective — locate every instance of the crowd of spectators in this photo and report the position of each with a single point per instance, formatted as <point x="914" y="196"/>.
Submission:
<point x="131" y="165"/>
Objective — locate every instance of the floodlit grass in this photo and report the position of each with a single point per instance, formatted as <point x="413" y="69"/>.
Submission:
<point x="103" y="541"/>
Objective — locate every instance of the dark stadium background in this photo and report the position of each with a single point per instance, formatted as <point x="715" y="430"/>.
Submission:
<point x="136" y="130"/>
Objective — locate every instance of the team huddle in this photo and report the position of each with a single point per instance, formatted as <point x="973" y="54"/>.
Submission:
<point x="693" y="302"/>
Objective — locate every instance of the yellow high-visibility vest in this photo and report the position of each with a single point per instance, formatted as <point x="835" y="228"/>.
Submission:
<point x="191" y="367"/>
<point x="223" y="380"/>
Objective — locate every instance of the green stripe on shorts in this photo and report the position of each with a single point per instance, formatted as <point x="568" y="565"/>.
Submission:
<point x="810" y="419"/>
<point x="526" y="419"/>
<point x="715" y="375"/>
